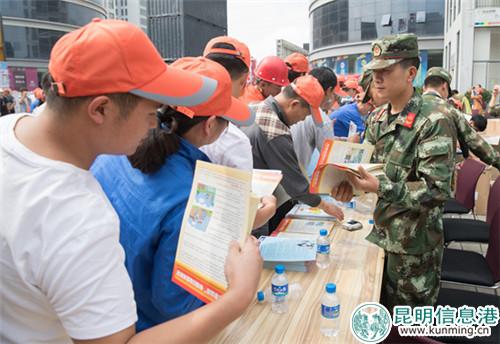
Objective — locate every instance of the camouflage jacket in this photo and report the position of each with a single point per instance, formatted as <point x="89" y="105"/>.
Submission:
<point x="465" y="133"/>
<point x="417" y="149"/>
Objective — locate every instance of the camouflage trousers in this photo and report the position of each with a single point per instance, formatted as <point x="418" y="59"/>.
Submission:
<point x="411" y="280"/>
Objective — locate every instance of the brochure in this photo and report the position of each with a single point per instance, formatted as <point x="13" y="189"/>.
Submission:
<point x="220" y="208"/>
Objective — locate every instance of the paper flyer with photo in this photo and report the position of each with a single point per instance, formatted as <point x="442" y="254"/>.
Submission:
<point x="220" y="209"/>
<point x="343" y="152"/>
<point x="337" y="160"/>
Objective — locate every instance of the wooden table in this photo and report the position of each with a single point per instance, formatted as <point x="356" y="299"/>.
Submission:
<point x="356" y="267"/>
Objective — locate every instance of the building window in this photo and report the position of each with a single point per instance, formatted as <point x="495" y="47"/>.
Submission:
<point x="445" y="60"/>
<point x="29" y="43"/>
<point x="344" y="21"/>
<point x="420" y="17"/>
<point x="49" y="10"/>
<point x="449" y="56"/>
<point x="386" y="20"/>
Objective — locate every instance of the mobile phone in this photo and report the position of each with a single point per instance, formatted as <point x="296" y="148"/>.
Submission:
<point x="352" y="225"/>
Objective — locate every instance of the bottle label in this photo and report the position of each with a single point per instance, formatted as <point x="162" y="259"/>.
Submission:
<point x="330" y="312"/>
<point x="323" y="249"/>
<point x="279" y="290"/>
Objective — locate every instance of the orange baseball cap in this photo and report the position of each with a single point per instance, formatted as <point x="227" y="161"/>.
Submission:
<point x="351" y="83"/>
<point x="240" y="50"/>
<point x="297" y="62"/>
<point x="309" y="89"/>
<point x="114" y="56"/>
<point x="221" y="103"/>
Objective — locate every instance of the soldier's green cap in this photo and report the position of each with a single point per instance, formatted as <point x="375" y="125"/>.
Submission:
<point x="365" y="81"/>
<point x="440" y="73"/>
<point x="392" y="49"/>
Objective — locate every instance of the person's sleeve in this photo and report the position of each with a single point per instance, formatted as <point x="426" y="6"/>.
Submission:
<point x="280" y="155"/>
<point x="84" y="278"/>
<point x="369" y="130"/>
<point x="237" y="153"/>
<point x="477" y="145"/>
<point x="169" y="300"/>
<point x="434" y="169"/>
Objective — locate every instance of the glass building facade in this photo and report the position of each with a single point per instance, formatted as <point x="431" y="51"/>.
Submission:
<point x="341" y="23"/>
<point x="31" y="27"/>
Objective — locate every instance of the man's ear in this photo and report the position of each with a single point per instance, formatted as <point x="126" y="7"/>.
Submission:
<point x="294" y="103"/>
<point x="100" y="109"/>
<point x="412" y="72"/>
<point x="209" y="125"/>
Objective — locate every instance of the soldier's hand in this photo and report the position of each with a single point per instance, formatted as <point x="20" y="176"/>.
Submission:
<point x="343" y="192"/>
<point x="366" y="182"/>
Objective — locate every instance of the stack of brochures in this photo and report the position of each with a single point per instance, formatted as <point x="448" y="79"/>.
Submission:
<point x="296" y="254"/>
<point x="303" y="211"/>
<point x="305" y="228"/>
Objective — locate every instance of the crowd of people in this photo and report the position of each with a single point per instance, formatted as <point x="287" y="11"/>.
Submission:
<point x="94" y="185"/>
<point x="21" y="101"/>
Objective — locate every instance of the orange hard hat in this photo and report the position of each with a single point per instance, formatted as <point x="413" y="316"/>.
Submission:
<point x="272" y="69"/>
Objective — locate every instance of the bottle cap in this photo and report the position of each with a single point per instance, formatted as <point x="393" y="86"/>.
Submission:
<point x="371" y="222"/>
<point x="331" y="288"/>
<point x="260" y="296"/>
<point x="279" y="268"/>
<point x="323" y="232"/>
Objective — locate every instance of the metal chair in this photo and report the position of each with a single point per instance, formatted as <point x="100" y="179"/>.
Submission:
<point x="467" y="178"/>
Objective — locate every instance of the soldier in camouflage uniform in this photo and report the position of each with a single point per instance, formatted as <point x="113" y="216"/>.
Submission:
<point x="437" y="89"/>
<point x="415" y="142"/>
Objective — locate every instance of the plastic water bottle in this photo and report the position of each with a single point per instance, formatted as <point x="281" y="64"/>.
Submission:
<point x="330" y="311"/>
<point x="279" y="288"/>
<point x="350" y="205"/>
<point x="294" y="293"/>
<point x="323" y="250"/>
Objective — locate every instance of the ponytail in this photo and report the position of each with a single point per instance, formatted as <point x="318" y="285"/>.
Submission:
<point x="163" y="141"/>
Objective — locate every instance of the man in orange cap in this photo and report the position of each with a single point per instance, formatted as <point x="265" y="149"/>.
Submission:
<point x="63" y="278"/>
<point x="350" y="90"/>
<point x="271" y="74"/>
<point x="233" y="148"/>
<point x="272" y="143"/>
<point x="297" y="66"/>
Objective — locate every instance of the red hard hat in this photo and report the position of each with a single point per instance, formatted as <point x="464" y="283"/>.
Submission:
<point x="274" y="70"/>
